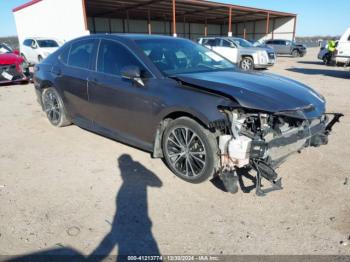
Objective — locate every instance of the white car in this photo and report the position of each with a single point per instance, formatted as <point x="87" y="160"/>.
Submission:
<point x="342" y="55"/>
<point x="34" y="50"/>
<point x="240" y="51"/>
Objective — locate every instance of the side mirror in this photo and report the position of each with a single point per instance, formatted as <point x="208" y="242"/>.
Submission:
<point x="132" y="73"/>
<point x="34" y="46"/>
<point x="16" y="52"/>
<point x="232" y="45"/>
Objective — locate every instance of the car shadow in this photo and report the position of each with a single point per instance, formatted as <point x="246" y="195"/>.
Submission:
<point x="325" y="72"/>
<point x="311" y="62"/>
<point x="131" y="229"/>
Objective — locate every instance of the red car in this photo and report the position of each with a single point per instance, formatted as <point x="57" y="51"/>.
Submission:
<point x="13" y="68"/>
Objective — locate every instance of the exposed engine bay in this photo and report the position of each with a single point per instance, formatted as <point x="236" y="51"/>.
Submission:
<point x="262" y="142"/>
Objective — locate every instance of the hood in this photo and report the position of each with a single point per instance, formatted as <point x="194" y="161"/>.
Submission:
<point x="10" y="58"/>
<point x="259" y="91"/>
<point x="251" y="49"/>
<point x="267" y="48"/>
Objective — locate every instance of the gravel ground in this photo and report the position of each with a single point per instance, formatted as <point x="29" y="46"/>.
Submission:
<point x="68" y="187"/>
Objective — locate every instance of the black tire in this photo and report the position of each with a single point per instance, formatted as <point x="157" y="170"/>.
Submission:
<point x="247" y="64"/>
<point x="54" y="108"/>
<point x="295" y="53"/>
<point x="200" y="155"/>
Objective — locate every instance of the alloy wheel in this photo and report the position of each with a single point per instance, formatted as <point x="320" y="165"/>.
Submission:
<point x="52" y="107"/>
<point x="186" y="152"/>
<point x="247" y="64"/>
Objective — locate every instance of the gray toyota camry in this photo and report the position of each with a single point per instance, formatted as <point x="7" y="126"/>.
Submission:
<point x="184" y="103"/>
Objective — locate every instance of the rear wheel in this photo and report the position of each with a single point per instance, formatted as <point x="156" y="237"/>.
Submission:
<point x="247" y="64"/>
<point x="54" y="108"/>
<point x="190" y="150"/>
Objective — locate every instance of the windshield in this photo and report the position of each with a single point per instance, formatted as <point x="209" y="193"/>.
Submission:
<point x="241" y="42"/>
<point x="176" y="56"/>
<point x="5" y="49"/>
<point x="47" y="43"/>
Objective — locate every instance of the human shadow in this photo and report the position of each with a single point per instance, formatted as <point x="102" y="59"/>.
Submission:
<point x="326" y="72"/>
<point x="311" y="62"/>
<point x="131" y="228"/>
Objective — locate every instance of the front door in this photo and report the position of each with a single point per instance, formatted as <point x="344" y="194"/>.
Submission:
<point x="122" y="108"/>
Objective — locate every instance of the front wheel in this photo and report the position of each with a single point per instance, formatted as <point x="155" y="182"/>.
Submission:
<point x="54" y="108"/>
<point x="295" y="53"/>
<point x="190" y="151"/>
<point x="247" y="64"/>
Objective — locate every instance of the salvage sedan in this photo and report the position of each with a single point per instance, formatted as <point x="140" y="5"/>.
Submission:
<point x="13" y="68"/>
<point x="184" y="103"/>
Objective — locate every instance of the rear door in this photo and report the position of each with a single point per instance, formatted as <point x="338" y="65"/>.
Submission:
<point x="71" y="77"/>
<point x="123" y="109"/>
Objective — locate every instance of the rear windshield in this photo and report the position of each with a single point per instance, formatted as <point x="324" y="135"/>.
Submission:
<point x="47" y="43"/>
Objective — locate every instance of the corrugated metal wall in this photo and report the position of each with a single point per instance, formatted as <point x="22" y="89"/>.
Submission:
<point x="281" y="28"/>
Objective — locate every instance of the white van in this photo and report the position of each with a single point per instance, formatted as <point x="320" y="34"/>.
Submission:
<point x="342" y="55"/>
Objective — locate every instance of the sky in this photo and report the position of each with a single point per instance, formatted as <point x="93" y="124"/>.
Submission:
<point x="314" y="17"/>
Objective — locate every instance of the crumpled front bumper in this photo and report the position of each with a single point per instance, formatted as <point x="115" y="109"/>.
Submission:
<point x="11" y="74"/>
<point x="276" y="150"/>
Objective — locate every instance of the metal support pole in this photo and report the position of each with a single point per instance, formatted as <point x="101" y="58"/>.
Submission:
<point x="149" y="22"/>
<point x="205" y="28"/>
<point x="273" y="28"/>
<point x="244" y="33"/>
<point x="230" y="21"/>
<point x="295" y="27"/>
<point x="127" y="22"/>
<point x="174" y="19"/>
<point x="184" y="26"/>
<point x="267" y="24"/>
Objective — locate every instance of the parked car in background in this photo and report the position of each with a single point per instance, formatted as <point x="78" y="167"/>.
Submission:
<point x="34" y="50"/>
<point x="182" y="102"/>
<point x="13" y="67"/>
<point x="342" y="54"/>
<point x="239" y="51"/>
<point x="287" y="47"/>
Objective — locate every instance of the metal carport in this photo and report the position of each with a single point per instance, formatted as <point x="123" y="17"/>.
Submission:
<point x="187" y="18"/>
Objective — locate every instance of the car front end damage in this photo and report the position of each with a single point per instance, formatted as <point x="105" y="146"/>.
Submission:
<point x="13" y="73"/>
<point x="263" y="141"/>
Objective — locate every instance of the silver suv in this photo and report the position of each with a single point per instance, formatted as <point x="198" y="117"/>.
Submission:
<point x="240" y="51"/>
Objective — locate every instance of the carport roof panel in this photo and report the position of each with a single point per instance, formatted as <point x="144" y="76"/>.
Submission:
<point x="192" y="10"/>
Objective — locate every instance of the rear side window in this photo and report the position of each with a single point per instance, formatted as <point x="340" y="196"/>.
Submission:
<point x="81" y="53"/>
<point x="113" y="57"/>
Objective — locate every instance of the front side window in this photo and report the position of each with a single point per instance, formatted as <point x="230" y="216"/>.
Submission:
<point x="209" y="42"/>
<point x="81" y="53"/>
<point x="241" y="42"/>
<point x="47" y="43"/>
<point x="28" y="42"/>
<point x="176" y="56"/>
<point x="226" y="43"/>
<point x="113" y="57"/>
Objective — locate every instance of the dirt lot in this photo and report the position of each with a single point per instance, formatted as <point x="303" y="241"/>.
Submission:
<point x="70" y="188"/>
